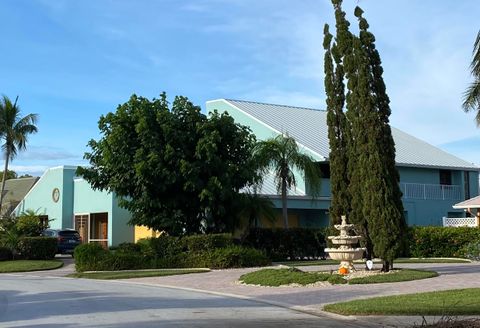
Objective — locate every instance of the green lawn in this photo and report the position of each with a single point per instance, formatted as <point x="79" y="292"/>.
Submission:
<point x="278" y="277"/>
<point x="448" y="303"/>
<point x="135" y="274"/>
<point x="29" y="265"/>
<point x="402" y="275"/>
<point x="399" y="260"/>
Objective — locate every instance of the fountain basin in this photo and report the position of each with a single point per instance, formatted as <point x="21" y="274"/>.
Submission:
<point x="349" y="254"/>
<point x="344" y="240"/>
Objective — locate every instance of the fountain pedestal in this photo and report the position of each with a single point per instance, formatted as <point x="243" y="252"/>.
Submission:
<point x="345" y="253"/>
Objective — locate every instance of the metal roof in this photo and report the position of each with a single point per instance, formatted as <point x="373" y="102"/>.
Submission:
<point x="309" y="128"/>
<point x="269" y="187"/>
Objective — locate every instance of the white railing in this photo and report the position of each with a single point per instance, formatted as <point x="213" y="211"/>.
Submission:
<point x="460" y="222"/>
<point x="430" y="191"/>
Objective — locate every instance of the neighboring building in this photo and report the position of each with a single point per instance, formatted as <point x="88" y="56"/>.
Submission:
<point x="15" y="190"/>
<point x="69" y="202"/>
<point x="431" y="179"/>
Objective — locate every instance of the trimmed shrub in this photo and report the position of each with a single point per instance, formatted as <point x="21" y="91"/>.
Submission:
<point x="90" y="257"/>
<point x="37" y="248"/>
<point x="441" y="241"/>
<point x="123" y="261"/>
<point x="5" y="254"/>
<point x="472" y="251"/>
<point x="165" y="246"/>
<point x="236" y="257"/>
<point x="205" y="243"/>
<point x="128" y="248"/>
<point x="287" y="244"/>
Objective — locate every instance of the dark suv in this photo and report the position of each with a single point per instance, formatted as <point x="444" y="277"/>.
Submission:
<point x="67" y="239"/>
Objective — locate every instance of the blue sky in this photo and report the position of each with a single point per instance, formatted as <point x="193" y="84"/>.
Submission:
<point x="71" y="61"/>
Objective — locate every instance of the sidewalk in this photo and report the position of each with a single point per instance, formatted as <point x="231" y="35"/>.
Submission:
<point x="312" y="299"/>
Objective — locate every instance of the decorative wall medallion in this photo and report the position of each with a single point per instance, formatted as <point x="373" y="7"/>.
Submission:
<point x="55" y="195"/>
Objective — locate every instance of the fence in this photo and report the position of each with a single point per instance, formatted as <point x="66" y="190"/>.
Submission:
<point x="460" y="222"/>
<point x="430" y="191"/>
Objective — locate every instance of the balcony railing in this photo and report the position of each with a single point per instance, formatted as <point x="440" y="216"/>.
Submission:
<point x="430" y="191"/>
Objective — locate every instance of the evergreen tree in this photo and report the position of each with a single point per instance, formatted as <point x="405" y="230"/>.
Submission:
<point x="335" y="90"/>
<point x="383" y="206"/>
<point x="348" y="46"/>
<point x="373" y="192"/>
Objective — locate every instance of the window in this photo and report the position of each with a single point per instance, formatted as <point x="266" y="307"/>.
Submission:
<point x="325" y="170"/>
<point x="445" y="177"/>
<point x="43" y="220"/>
<point x="466" y="181"/>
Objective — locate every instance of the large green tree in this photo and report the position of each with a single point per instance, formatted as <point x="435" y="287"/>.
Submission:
<point x="282" y="156"/>
<point x="173" y="168"/>
<point x="337" y="129"/>
<point x="471" y="97"/>
<point x="14" y="132"/>
<point x="376" y="205"/>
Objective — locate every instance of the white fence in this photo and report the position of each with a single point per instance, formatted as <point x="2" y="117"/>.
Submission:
<point x="460" y="222"/>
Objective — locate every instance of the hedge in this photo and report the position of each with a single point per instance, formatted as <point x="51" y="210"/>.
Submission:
<point x="5" y="254"/>
<point x="441" y="241"/>
<point x="213" y="251"/>
<point x="37" y="248"/>
<point x="287" y="244"/>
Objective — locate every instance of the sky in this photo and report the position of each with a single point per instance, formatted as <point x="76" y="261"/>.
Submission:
<point x="73" y="61"/>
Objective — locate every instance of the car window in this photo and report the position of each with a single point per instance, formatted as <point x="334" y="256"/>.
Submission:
<point x="69" y="234"/>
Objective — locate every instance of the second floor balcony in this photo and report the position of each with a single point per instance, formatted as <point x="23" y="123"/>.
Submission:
<point x="431" y="191"/>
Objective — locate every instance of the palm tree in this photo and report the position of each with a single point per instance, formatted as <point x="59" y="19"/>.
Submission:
<point x="471" y="97"/>
<point x="282" y="155"/>
<point x="14" y="131"/>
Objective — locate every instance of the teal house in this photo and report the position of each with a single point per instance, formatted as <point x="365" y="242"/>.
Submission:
<point x="67" y="201"/>
<point x="431" y="180"/>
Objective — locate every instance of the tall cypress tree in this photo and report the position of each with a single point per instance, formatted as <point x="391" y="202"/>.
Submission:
<point x="336" y="121"/>
<point x="373" y="194"/>
<point x="382" y="205"/>
<point x="355" y="138"/>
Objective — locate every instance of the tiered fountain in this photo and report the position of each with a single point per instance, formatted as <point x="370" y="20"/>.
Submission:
<point x="345" y="253"/>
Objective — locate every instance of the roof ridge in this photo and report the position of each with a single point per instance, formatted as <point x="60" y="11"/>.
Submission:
<point x="271" y="104"/>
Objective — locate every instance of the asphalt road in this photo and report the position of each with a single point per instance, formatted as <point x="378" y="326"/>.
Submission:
<point x="36" y="301"/>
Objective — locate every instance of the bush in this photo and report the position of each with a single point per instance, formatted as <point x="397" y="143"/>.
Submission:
<point x="165" y="246"/>
<point x="441" y="241"/>
<point x="235" y="257"/>
<point x="122" y="261"/>
<point x="28" y="224"/>
<point x="37" y="248"/>
<point x="472" y="251"/>
<point x="287" y="244"/>
<point x="5" y="254"/>
<point x="202" y="243"/>
<point x="127" y="248"/>
<point x="90" y="257"/>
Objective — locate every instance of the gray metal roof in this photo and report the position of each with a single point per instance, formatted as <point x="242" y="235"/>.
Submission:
<point x="309" y="128"/>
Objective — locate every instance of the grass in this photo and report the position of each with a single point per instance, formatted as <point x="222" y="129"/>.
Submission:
<point x="279" y="277"/>
<point x="442" y="303"/>
<point x="402" y="275"/>
<point x="399" y="260"/>
<point x="135" y="274"/>
<point x="29" y="265"/>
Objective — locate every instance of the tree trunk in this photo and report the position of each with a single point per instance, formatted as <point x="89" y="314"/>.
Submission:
<point x="386" y="266"/>
<point x="7" y="155"/>
<point x="284" y="204"/>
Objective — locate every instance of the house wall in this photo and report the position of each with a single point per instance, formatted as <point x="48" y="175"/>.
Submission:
<point x="87" y="200"/>
<point x="39" y="198"/>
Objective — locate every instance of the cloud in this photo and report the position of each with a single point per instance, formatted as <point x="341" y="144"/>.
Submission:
<point x="42" y="153"/>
